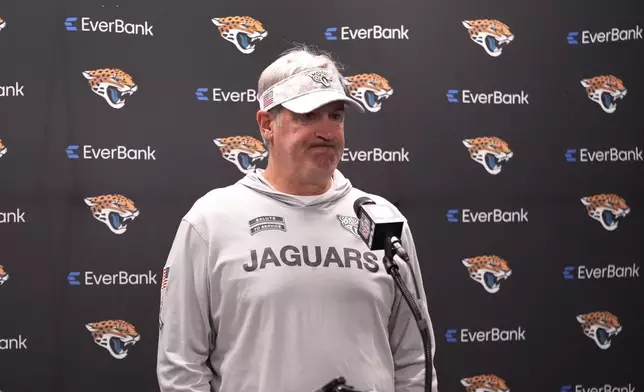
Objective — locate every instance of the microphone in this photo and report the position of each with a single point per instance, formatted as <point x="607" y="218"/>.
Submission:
<point x="380" y="227"/>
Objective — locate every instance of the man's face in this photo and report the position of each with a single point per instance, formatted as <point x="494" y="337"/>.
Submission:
<point x="310" y="144"/>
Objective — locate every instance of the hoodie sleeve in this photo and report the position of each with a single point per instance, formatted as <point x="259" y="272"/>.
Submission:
<point x="405" y="340"/>
<point x="185" y="334"/>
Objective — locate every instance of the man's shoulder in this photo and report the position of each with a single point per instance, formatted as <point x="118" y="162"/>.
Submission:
<point x="215" y="203"/>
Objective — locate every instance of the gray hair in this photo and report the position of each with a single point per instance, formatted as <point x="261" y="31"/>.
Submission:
<point x="297" y="59"/>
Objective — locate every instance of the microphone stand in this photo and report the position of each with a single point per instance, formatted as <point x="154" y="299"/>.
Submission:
<point x="393" y="247"/>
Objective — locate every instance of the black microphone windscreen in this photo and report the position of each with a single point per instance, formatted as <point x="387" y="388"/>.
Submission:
<point x="359" y="203"/>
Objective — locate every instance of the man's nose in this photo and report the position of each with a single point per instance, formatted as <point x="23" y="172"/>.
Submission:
<point x="327" y="128"/>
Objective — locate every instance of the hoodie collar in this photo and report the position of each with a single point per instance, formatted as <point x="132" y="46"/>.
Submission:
<point x="341" y="186"/>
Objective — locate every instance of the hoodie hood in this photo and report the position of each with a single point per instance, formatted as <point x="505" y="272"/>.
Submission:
<point x="341" y="187"/>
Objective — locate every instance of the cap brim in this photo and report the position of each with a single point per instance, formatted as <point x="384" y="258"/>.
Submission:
<point x="309" y="102"/>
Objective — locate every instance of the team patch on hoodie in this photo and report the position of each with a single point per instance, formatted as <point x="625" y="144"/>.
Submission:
<point x="267" y="222"/>
<point x="349" y="223"/>
<point x="315" y="256"/>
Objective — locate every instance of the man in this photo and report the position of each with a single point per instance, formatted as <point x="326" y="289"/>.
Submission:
<point x="268" y="287"/>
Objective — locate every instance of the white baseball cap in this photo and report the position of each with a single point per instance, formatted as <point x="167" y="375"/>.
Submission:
<point x="306" y="91"/>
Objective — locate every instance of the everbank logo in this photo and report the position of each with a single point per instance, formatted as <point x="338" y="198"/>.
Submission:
<point x="375" y="32"/>
<point x="13" y="217"/>
<point x="495" y="216"/>
<point x="493" y="98"/>
<point x="121" y="278"/>
<point x="120" y="153"/>
<point x="611" y="35"/>
<point x="601" y="388"/>
<point x="17" y="343"/>
<point x="376" y="155"/>
<point x="609" y="155"/>
<point x="217" y="94"/>
<point x="117" y="26"/>
<point x="493" y="335"/>
<point x="12" y="91"/>
<point x="611" y="271"/>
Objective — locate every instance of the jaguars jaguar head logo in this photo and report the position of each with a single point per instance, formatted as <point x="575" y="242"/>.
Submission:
<point x="605" y="90"/>
<point x="491" y="34"/>
<point x="3" y="148"/>
<point x="485" y="383"/>
<point x="244" y="151"/>
<point x="491" y="152"/>
<point x="489" y="271"/>
<point x="242" y="31"/>
<point x="4" y="276"/>
<point x="350" y="224"/>
<point x="3" y="24"/>
<point x="607" y="209"/>
<point x="115" y="211"/>
<point x="113" y="85"/>
<point x="600" y="327"/>
<point x="369" y="89"/>
<point x="116" y="336"/>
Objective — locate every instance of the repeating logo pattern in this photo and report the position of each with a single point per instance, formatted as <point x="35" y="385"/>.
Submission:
<point x="491" y="34"/>
<point x="600" y="327"/>
<point x="605" y="90"/>
<point x="494" y="153"/>
<point x="369" y="89"/>
<point x="488" y="271"/>
<point x="489" y="152"/>
<point x="113" y="85"/>
<point x="115" y="336"/>
<point x="607" y="209"/>
<point x="245" y="152"/>
<point x="242" y="31"/>
<point x="114" y="211"/>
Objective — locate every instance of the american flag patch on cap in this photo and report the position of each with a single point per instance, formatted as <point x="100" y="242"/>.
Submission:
<point x="268" y="98"/>
<point x="164" y="281"/>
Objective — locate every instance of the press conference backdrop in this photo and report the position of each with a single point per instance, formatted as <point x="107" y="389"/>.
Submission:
<point x="509" y="133"/>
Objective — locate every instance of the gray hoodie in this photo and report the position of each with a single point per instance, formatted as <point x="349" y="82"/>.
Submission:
<point x="269" y="292"/>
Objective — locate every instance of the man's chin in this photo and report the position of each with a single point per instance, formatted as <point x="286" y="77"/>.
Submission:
<point x="324" y="164"/>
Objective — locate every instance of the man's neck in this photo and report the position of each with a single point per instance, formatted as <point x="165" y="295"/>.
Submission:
<point x="289" y="184"/>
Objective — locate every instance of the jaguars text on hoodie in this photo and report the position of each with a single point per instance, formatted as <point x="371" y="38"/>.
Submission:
<point x="269" y="292"/>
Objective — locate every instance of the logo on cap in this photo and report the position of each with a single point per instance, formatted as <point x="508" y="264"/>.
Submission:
<point x="322" y="77"/>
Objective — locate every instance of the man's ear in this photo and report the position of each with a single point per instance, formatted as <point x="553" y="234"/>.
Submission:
<point x="266" y="123"/>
